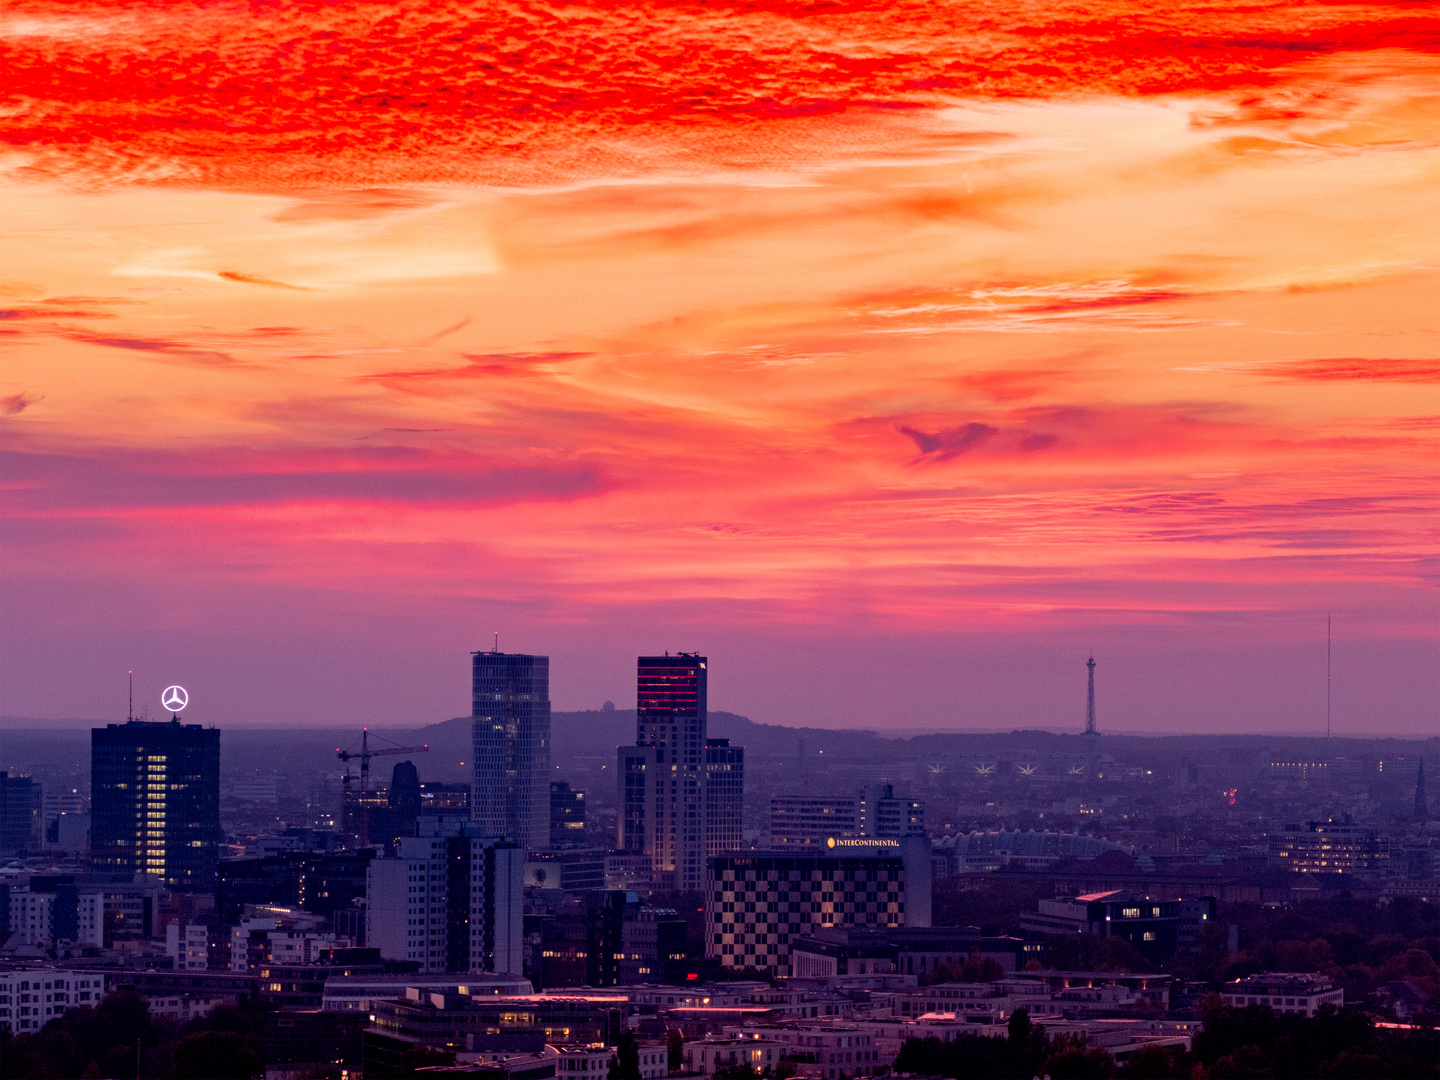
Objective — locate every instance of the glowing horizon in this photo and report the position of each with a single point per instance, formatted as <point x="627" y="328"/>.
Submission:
<point x="338" y="336"/>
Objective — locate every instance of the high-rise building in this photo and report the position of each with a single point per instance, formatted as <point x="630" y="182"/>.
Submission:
<point x="20" y="821"/>
<point x="662" y="778"/>
<point x="404" y="796"/>
<point x="450" y="901"/>
<point x="724" y="797"/>
<point x="510" y="726"/>
<point x="567" y="815"/>
<point x="811" y="820"/>
<point x="155" y="801"/>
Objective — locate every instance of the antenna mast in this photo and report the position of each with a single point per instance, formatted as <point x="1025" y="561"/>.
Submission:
<point x="1090" y="699"/>
<point x="1327" y="676"/>
<point x="130" y="712"/>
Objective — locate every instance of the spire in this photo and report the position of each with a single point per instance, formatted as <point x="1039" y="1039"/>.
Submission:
<point x="1422" y="805"/>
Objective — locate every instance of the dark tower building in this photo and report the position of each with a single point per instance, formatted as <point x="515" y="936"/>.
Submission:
<point x="662" y="778"/>
<point x="155" y="801"/>
<point x="405" y="797"/>
<point x="567" y="815"/>
<point x="724" y="797"/>
<point x="510" y="725"/>
<point x="1422" y="804"/>
<point x="20" y="824"/>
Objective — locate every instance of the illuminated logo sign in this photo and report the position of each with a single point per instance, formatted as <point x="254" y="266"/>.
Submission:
<point x="175" y="698"/>
<point x="870" y="842"/>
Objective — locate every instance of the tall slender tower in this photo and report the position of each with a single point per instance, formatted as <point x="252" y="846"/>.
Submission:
<point x="662" y="777"/>
<point x="510" y="728"/>
<point x="1090" y="700"/>
<point x="1422" y="804"/>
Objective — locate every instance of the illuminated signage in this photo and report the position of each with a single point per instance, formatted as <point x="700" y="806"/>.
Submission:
<point x="834" y="842"/>
<point x="175" y="698"/>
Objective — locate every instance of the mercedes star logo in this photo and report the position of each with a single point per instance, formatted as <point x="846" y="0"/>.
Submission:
<point x="175" y="698"/>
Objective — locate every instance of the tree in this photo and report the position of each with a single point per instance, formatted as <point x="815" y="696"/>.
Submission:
<point x="627" y="1057"/>
<point x="1020" y="1027"/>
<point x="214" y="1055"/>
<point x="1071" y="1059"/>
<point x="675" y="1046"/>
<point x="785" y="1068"/>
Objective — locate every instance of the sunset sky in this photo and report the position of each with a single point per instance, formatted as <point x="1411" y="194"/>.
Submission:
<point x="896" y="354"/>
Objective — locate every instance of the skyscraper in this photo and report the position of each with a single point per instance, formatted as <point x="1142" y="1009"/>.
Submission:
<point x="510" y="726"/>
<point x="724" y="797"/>
<point x="662" y="778"/>
<point x="20" y="823"/>
<point x="155" y="801"/>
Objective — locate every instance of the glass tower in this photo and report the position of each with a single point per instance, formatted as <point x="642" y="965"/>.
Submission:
<point x="510" y="727"/>
<point x="670" y="718"/>
<point x="155" y="801"/>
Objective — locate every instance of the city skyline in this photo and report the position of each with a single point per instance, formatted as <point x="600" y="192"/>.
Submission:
<point x="920" y="337"/>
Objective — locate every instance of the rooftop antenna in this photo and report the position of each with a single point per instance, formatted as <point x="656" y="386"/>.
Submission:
<point x="130" y="712"/>
<point x="497" y="641"/>
<point x="1327" y="676"/>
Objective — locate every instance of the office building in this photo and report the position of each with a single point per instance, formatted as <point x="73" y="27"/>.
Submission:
<point x="1285" y="992"/>
<point x="1330" y="847"/>
<point x="404" y="797"/>
<point x="567" y="815"/>
<point x="20" y="818"/>
<point x="1157" y="928"/>
<point x="510" y="726"/>
<point x="811" y="820"/>
<point x="155" y="801"/>
<point x="574" y="869"/>
<point x="438" y="799"/>
<point x="452" y="900"/>
<point x="662" y="778"/>
<point x="724" y="797"/>
<point x="756" y="904"/>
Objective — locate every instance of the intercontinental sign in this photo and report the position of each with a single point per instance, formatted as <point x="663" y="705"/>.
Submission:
<point x="865" y="842"/>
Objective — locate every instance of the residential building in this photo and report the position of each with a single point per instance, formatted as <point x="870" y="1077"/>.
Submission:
<point x="1284" y="992"/>
<point x="450" y="901"/>
<point x="32" y="997"/>
<point x="510" y="727"/>
<point x="274" y="935"/>
<point x="188" y="946"/>
<point x="724" y="797"/>
<point x="155" y="801"/>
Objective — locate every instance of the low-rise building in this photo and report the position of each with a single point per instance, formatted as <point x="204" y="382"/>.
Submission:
<point x="31" y="997"/>
<point x="1284" y="992"/>
<point x="359" y="993"/>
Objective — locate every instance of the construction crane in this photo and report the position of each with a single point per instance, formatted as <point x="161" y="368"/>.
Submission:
<point x="365" y="754"/>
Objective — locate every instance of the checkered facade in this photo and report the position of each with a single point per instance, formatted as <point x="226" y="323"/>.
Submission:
<point x="756" y="905"/>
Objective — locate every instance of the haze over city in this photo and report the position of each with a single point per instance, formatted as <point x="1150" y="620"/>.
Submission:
<point x="897" y="356"/>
